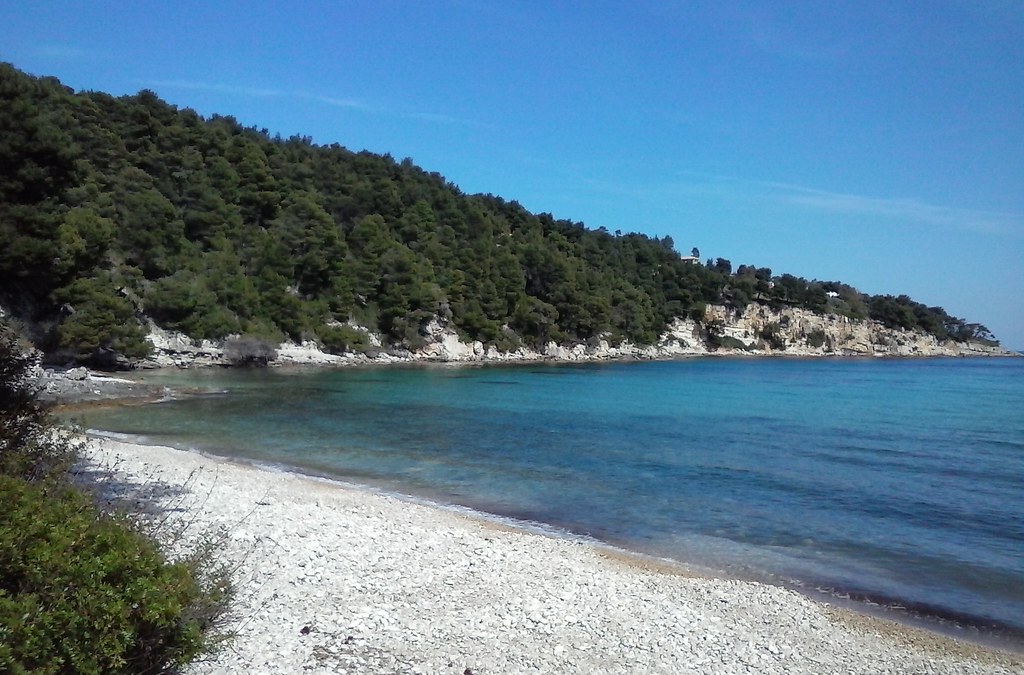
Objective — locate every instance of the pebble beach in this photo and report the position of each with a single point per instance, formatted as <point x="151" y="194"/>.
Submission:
<point x="336" y="579"/>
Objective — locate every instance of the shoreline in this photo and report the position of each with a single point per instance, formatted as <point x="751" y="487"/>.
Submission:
<point x="944" y="623"/>
<point x="741" y="334"/>
<point x="103" y="387"/>
<point x="410" y="539"/>
<point x="68" y="387"/>
<point x="930" y="622"/>
<point x="308" y="357"/>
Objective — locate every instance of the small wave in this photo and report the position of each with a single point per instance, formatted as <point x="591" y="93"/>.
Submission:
<point x="119" y="436"/>
<point x="964" y="625"/>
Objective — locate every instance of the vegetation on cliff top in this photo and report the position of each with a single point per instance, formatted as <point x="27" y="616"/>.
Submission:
<point x="114" y="208"/>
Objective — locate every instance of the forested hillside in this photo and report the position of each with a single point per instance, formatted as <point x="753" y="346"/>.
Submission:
<point x="112" y="209"/>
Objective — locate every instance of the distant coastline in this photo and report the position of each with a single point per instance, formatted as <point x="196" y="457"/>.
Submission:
<point x="80" y="385"/>
<point x="790" y="332"/>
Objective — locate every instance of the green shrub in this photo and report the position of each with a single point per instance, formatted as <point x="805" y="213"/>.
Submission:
<point x="816" y="338"/>
<point x="184" y="302"/>
<point x="99" y="321"/>
<point x="698" y="312"/>
<point x="508" y="341"/>
<point x="770" y="334"/>
<point x="714" y="334"/>
<point x="31" y="445"/>
<point x="729" y="342"/>
<point x="342" y="339"/>
<point x="264" y="330"/>
<point x="85" y="593"/>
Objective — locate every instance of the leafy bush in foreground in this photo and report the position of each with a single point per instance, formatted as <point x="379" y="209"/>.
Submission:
<point x="82" y="590"/>
<point x="32" y="446"/>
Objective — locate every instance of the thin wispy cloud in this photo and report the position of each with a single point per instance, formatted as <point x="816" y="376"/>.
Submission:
<point x="447" y="119"/>
<point x="770" y="32"/>
<point x="353" y="104"/>
<point x="335" y="102"/>
<point x="911" y="210"/>
<point x="233" y="89"/>
<point x="61" y="52"/>
<point x="908" y="211"/>
<point x="332" y="101"/>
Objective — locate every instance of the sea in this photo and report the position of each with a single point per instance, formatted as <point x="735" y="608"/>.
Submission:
<point x="894" y="485"/>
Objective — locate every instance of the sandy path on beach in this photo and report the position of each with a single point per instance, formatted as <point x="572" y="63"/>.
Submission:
<point x="336" y="580"/>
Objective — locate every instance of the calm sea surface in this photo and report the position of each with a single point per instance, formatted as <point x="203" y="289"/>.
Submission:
<point x="899" y="482"/>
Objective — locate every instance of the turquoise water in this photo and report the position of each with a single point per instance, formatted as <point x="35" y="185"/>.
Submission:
<point x="899" y="482"/>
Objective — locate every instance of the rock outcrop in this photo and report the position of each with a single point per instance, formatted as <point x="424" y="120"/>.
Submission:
<point x="800" y="332"/>
<point x="177" y="350"/>
<point x="757" y="330"/>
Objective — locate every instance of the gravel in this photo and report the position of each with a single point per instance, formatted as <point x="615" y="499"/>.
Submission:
<point x="334" y="579"/>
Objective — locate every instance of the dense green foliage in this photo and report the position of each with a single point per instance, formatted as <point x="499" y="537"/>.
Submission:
<point x="32" y="446"/>
<point x="83" y="590"/>
<point x="115" y="207"/>
<point x="85" y="593"/>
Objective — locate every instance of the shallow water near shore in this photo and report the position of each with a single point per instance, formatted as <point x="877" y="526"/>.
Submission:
<point x="899" y="482"/>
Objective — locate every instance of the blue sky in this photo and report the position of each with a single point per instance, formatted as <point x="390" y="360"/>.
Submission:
<point x="876" y="143"/>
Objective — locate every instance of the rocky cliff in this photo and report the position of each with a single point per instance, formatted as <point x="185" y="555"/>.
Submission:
<point x="758" y="330"/>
